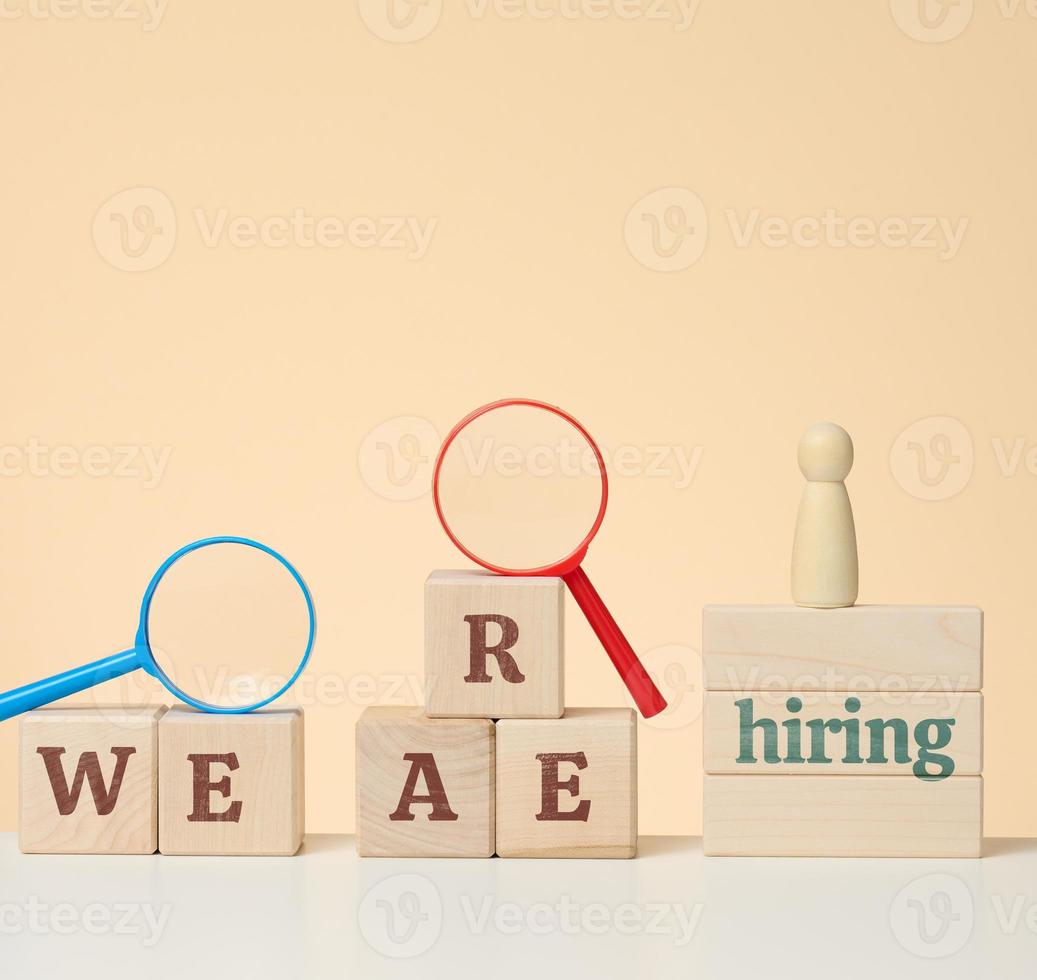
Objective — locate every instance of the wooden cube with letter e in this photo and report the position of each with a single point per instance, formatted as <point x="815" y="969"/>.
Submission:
<point x="494" y="645"/>
<point x="424" y="786"/>
<point x="567" y="787"/>
<point x="89" y="780"/>
<point x="231" y="783"/>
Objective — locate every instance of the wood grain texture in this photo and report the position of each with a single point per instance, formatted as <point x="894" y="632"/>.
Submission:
<point x="535" y="604"/>
<point x="231" y="784"/>
<point x="898" y="648"/>
<point x="607" y="784"/>
<point x="842" y="816"/>
<point x="131" y="826"/>
<point x="722" y="731"/>
<point x="463" y="754"/>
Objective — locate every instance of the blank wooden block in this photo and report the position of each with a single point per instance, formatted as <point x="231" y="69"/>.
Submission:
<point x="494" y="645"/>
<point x="920" y="722"/>
<point x="567" y="787"/>
<point x="231" y="784"/>
<point x="424" y="786"/>
<point x="89" y="780"/>
<point x="843" y="816"/>
<point x="898" y="648"/>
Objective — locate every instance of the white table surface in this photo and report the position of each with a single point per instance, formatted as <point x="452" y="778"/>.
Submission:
<point x="669" y="913"/>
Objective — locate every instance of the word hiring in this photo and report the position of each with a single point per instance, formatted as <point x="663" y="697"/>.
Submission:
<point x="929" y="735"/>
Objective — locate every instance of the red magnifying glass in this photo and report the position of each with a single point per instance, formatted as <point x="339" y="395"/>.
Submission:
<point x="520" y="487"/>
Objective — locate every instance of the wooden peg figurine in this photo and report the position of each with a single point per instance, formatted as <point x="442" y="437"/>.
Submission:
<point x="824" y="552"/>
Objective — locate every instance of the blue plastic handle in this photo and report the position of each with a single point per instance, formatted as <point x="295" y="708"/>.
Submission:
<point x="70" y="682"/>
<point x="140" y="656"/>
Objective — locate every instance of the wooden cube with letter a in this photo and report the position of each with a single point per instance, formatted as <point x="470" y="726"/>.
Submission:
<point x="424" y="786"/>
<point x="493" y="645"/>
<point x="89" y="780"/>
<point x="567" y="787"/>
<point x="231" y="784"/>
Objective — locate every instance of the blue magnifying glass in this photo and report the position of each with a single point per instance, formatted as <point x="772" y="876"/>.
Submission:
<point x="227" y="625"/>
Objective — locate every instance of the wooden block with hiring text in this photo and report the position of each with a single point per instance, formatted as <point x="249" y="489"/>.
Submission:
<point x="857" y="648"/>
<point x="567" y="787"/>
<point x="493" y="645"/>
<point x="89" y="780"/>
<point x="231" y="784"/>
<point x="842" y="816"/>
<point x="424" y="786"/>
<point x="926" y="734"/>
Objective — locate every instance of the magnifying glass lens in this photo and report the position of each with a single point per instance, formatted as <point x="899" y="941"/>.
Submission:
<point x="520" y="487"/>
<point x="228" y="625"/>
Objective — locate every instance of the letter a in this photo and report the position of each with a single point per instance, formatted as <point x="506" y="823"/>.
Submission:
<point x="423" y="764"/>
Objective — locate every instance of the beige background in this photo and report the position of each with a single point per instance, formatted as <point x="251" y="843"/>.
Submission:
<point x="527" y="140"/>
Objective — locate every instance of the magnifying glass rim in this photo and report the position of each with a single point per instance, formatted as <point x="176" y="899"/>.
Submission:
<point x="143" y="643"/>
<point x="570" y="561"/>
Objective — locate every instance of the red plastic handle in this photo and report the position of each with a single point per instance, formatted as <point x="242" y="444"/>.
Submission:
<point x="641" y="687"/>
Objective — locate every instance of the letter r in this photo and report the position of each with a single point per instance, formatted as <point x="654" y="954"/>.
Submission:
<point x="479" y="649"/>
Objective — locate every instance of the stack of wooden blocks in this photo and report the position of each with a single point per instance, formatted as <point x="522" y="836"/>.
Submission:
<point x="843" y="732"/>
<point x="130" y="780"/>
<point x="494" y="763"/>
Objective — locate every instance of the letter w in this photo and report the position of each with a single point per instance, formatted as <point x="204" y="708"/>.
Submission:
<point x="89" y="768"/>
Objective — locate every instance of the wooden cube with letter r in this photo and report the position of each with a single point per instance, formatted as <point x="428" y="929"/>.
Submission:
<point x="493" y="645"/>
<point x="88" y="780"/>
<point x="231" y="784"/>
<point x="567" y="787"/>
<point x="424" y="786"/>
